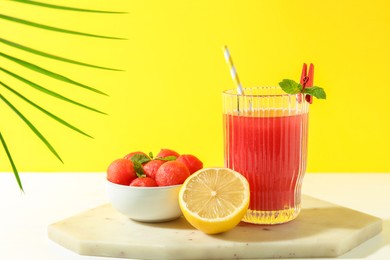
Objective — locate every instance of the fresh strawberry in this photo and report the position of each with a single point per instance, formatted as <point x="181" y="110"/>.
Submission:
<point x="151" y="168"/>
<point x="128" y="156"/>
<point x="121" y="171"/>
<point x="167" y="152"/>
<point x="192" y="162"/>
<point x="172" y="173"/>
<point x="144" y="182"/>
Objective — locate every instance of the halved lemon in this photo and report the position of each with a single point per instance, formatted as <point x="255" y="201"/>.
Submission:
<point x="214" y="200"/>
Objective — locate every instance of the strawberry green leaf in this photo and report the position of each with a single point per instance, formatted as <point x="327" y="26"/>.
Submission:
<point x="290" y="86"/>
<point x="315" y="92"/>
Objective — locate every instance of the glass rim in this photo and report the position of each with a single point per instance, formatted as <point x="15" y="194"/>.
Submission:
<point x="234" y="92"/>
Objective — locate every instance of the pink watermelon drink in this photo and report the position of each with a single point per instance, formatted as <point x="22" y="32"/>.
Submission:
<point x="266" y="141"/>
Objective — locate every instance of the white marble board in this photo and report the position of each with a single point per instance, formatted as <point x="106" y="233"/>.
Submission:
<point x="322" y="229"/>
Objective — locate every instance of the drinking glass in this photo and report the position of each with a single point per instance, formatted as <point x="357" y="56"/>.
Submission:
<point x="265" y="133"/>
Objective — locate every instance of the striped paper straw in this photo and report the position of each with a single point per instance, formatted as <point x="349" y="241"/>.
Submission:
<point x="233" y="71"/>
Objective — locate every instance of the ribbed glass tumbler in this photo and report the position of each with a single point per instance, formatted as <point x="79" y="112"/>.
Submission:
<point x="265" y="133"/>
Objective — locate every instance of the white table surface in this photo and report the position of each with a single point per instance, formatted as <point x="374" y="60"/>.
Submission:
<point x="50" y="197"/>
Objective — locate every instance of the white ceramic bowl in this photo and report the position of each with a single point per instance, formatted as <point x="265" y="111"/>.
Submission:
<point x="145" y="204"/>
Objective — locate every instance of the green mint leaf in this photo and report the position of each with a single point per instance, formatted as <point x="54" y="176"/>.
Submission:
<point x="151" y="155"/>
<point x="290" y="86"/>
<point x="138" y="169"/>
<point x="168" y="158"/>
<point x="140" y="158"/>
<point x="315" y="92"/>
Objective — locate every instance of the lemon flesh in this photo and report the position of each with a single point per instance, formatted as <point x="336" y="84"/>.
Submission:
<point x="214" y="200"/>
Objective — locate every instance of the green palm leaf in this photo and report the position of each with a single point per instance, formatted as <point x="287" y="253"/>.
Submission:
<point x="46" y="72"/>
<point x="56" y="29"/>
<point x="49" y="73"/>
<point x="51" y="56"/>
<point x="14" y="169"/>
<point x="32" y="127"/>
<point x="65" y="7"/>
<point x="49" y="92"/>
<point x="44" y="110"/>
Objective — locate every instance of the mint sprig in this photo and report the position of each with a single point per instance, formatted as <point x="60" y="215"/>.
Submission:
<point x="138" y="160"/>
<point x="291" y="87"/>
<point x="141" y="158"/>
<point x="167" y="158"/>
<point x="315" y="92"/>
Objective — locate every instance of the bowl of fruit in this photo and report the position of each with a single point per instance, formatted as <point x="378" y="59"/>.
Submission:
<point x="145" y="188"/>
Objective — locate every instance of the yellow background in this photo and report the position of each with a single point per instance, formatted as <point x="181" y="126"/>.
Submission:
<point x="169" y="94"/>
